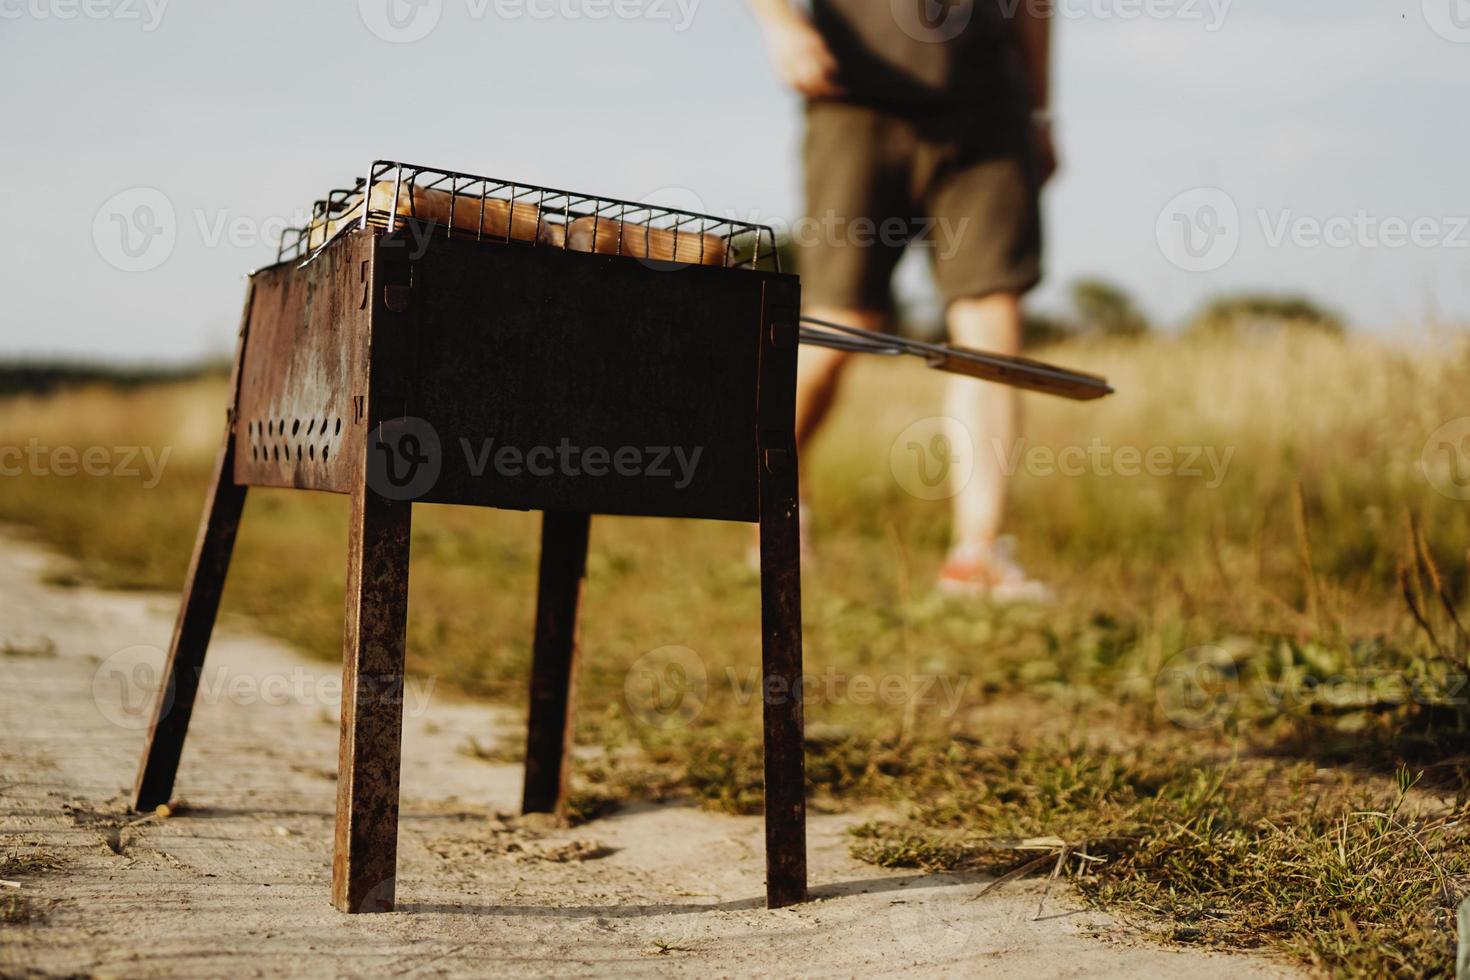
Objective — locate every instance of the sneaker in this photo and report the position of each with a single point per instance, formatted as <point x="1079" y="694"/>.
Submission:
<point x="976" y="572"/>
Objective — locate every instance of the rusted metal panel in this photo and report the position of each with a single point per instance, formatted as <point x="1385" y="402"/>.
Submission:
<point x="554" y="659"/>
<point x="587" y="383"/>
<point x="305" y="366"/>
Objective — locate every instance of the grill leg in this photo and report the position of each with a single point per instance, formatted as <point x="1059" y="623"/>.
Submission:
<point x="782" y="689"/>
<point x="365" y="857"/>
<point x="202" y="587"/>
<point x="563" y="567"/>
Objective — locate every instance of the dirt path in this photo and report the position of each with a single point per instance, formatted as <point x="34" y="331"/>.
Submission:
<point x="237" y="884"/>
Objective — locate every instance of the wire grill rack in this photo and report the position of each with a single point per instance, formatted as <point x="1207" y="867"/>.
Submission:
<point x="462" y="205"/>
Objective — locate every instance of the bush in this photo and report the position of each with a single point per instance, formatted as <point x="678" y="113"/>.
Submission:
<point x="1249" y="313"/>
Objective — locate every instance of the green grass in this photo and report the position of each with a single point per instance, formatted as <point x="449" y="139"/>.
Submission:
<point x="1240" y="665"/>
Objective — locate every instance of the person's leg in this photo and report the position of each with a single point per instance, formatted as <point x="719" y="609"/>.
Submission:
<point x="983" y="194"/>
<point x="990" y="412"/>
<point x="980" y="561"/>
<point x="856" y="164"/>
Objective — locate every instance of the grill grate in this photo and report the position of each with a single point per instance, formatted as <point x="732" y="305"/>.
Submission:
<point x="460" y="205"/>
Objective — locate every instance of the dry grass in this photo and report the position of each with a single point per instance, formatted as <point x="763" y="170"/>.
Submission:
<point x="1298" y="616"/>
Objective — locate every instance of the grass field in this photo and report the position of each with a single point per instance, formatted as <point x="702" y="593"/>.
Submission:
<point x="1244" y="723"/>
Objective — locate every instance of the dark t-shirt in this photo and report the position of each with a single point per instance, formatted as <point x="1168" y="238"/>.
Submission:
<point x="914" y="56"/>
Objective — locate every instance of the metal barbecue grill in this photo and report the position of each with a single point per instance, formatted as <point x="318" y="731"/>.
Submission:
<point x="467" y="206"/>
<point x="423" y="323"/>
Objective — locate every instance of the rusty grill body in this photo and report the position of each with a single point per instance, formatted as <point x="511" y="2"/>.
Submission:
<point x="390" y="354"/>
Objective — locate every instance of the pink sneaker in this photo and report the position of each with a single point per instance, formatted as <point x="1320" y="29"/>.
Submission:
<point x="976" y="572"/>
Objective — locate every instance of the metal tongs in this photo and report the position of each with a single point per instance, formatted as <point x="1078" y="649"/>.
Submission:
<point x="1018" y="372"/>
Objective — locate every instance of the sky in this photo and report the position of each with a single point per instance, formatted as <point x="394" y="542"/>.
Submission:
<point x="150" y="150"/>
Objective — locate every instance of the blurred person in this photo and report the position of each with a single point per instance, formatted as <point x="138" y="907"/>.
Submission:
<point x="927" y="123"/>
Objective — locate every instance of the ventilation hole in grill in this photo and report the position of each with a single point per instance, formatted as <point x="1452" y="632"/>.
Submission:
<point x="255" y="452"/>
<point x="298" y="452"/>
<point x="276" y="452"/>
<point x="324" y="425"/>
<point x="325" y="453"/>
<point x="311" y="451"/>
<point x="310" y="423"/>
<point x="295" y="426"/>
<point x="270" y="427"/>
<point x="339" y="427"/>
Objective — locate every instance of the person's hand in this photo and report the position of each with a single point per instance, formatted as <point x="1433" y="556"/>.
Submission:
<point x="1045" y="150"/>
<point x="801" y="57"/>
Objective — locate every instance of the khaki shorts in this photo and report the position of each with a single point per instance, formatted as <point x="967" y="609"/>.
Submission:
<point x="960" y="187"/>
